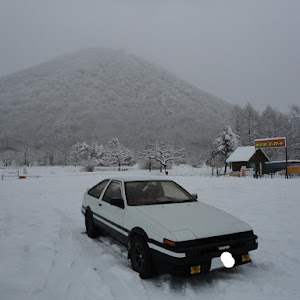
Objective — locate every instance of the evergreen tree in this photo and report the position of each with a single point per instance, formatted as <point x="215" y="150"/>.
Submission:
<point x="225" y="144"/>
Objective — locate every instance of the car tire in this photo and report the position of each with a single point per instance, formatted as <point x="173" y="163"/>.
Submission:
<point x="91" y="229"/>
<point x="141" y="258"/>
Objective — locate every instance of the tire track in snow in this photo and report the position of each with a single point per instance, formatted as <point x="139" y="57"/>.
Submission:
<point x="68" y="276"/>
<point x="111" y="264"/>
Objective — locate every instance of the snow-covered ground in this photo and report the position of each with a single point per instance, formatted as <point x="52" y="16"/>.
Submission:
<point x="45" y="253"/>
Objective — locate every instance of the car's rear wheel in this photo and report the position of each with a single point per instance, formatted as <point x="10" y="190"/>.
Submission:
<point x="141" y="258"/>
<point x="91" y="229"/>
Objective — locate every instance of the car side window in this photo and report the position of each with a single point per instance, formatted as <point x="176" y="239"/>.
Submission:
<point x="96" y="191"/>
<point x="112" y="192"/>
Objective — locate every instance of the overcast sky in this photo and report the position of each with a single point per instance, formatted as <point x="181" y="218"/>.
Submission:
<point x="239" y="50"/>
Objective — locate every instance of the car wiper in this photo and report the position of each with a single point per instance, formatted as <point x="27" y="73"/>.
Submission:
<point x="171" y="202"/>
<point x="187" y="200"/>
<point x="166" y="202"/>
<point x="162" y="202"/>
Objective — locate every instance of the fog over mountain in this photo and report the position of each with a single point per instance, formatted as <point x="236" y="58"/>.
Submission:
<point x="97" y="94"/>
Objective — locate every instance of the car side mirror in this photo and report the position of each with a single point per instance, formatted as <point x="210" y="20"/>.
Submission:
<point x="195" y="196"/>
<point x="117" y="202"/>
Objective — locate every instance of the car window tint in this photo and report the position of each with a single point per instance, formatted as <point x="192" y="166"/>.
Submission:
<point x="97" y="189"/>
<point x="112" y="192"/>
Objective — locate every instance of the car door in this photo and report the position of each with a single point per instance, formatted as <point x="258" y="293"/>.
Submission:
<point x="113" y="216"/>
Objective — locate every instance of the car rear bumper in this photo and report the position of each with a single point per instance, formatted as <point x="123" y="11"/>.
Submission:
<point x="204" y="255"/>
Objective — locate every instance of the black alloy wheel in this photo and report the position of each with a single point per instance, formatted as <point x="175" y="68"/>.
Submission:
<point x="141" y="258"/>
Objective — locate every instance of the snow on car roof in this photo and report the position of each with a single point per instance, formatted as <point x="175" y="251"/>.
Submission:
<point x="241" y="154"/>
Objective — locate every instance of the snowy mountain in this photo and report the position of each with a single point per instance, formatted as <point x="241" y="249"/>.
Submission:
<point x="97" y="94"/>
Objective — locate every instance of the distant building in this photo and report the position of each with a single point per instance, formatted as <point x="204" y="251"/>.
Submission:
<point x="248" y="157"/>
<point x="276" y="166"/>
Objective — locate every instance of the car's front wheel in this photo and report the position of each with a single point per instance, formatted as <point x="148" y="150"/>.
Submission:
<point x="141" y="258"/>
<point x="91" y="229"/>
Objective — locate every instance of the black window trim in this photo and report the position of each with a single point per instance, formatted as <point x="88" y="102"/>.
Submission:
<point x="107" y="186"/>
<point x="88" y="192"/>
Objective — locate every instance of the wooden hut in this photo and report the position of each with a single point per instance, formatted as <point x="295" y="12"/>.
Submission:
<point x="248" y="157"/>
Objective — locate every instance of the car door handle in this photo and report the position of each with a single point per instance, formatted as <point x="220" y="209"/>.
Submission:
<point x="100" y="204"/>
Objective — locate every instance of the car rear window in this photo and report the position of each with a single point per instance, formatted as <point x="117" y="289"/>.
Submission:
<point x="97" y="190"/>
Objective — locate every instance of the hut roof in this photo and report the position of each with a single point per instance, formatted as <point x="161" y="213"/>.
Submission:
<point x="241" y="154"/>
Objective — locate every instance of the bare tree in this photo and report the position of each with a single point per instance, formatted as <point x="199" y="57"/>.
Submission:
<point x="165" y="153"/>
<point x="64" y="145"/>
<point x="117" y="154"/>
<point x="25" y="152"/>
<point x="294" y="121"/>
<point x="215" y="161"/>
<point x="148" y="154"/>
<point x="252" y="124"/>
<point x="237" y="116"/>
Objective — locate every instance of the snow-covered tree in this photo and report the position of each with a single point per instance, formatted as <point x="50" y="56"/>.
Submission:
<point x="148" y="155"/>
<point x="164" y="153"/>
<point x="251" y="125"/>
<point x="98" y="153"/>
<point x="237" y="116"/>
<point x="25" y="154"/>
<point x="88" y="156"/>
<point x="225" y="144"/>
<point x="117" y="154"/>
<point x="64" y="149"/>
<point x="8" y="158"/>
<point x="215" y="161"/>
<point x="80" y="152"/>
<point x="246" y="123"/>
<point x="294" y="136"/>
<point x="268" y="122"/>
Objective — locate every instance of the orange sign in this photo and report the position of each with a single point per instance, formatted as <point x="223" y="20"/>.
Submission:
<point x="270" y="143"/>
<point x="294" y="170"/>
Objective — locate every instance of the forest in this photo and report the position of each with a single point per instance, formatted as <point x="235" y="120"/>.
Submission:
<point x="244" y="126"/>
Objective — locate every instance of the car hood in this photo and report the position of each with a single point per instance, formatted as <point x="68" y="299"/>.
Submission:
<point x="193" y="220"/>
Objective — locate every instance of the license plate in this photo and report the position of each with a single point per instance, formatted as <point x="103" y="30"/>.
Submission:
<point x="216" y="264"/>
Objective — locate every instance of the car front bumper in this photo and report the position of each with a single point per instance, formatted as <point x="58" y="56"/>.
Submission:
<point x="204" y="253"/>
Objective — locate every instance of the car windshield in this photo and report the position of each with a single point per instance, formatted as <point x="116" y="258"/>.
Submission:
<point x="155" y="192"/>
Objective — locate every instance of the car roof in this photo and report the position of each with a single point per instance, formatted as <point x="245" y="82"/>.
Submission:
<point x="139" y="178"/>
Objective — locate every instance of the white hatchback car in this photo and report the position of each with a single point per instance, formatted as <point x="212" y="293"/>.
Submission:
<point x="164" y="227"/>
